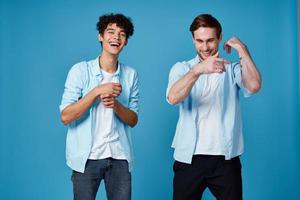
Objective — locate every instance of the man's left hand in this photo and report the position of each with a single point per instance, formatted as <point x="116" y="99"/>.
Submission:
<point x="108" y="100"/>
<point x="235" y="43"/>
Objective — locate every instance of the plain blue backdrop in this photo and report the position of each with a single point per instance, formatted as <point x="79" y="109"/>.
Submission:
<point x="41" y="40"/>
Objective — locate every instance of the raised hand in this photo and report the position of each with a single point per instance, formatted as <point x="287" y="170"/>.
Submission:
<point x="108" y="100"/>
<point x="210" y="65"/>
<point x="250" y="75"/>
<point x="113" y="89"/>
<point x="233" y="42"/>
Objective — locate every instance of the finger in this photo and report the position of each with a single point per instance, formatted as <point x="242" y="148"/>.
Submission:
<point x="115" y="94"/>
<point x="216" y="55"/>
<point x="104" y="101"/>
<point x="219" y="68"/>
<point x="227" y="47"/>
<point x="117" y="84"/>
<point x="109" y="104"/>
<point x="220" y="71"/>
<point x="104" y="96"/>
<point x="109" y="99"/>
<point x="118" y="87"/>
<point x="117" y="90"/>
<point x="226" y="61"/>
<point x="222" y="61"/>
<point x="110" y="87"/>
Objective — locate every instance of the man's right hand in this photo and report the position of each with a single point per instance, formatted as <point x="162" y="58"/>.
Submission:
<point x="113" y="89"/>
<point x="211" y="65"/>
<point x="76" y="110"/>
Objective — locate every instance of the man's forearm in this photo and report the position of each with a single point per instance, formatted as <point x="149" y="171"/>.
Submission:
<point x="77" y="109"/>
<point x="128" y="116"/>
<point x="250" y="75"/>
<point x="181" y="89"/>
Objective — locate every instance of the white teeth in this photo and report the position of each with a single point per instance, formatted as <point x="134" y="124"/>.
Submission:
<point x="115" y="44"/>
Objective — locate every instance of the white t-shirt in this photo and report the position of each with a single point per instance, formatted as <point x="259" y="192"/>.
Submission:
<point x="106" y="141"/>
<point x="209" y="137"/>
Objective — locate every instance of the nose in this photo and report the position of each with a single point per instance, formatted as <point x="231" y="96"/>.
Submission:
<point x="204" y="46"/>
<point x="116" y="36"/>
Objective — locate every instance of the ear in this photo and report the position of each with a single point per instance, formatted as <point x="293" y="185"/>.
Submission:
<point x="126" y="41"/>
<point x="100" y="37"/>
<point x="220" y="38"/>
<point x="193" y="38"/>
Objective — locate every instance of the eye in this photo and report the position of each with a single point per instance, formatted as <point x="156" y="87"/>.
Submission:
<point x="122" y="34"/>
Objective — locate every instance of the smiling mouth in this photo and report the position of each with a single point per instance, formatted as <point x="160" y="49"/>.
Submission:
<point x="114" y="44"/>
<point x="206" y="53"/>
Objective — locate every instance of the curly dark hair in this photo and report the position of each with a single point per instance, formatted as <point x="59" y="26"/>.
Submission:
<point x="206" y="20"/>
<point x="121" y="21"/>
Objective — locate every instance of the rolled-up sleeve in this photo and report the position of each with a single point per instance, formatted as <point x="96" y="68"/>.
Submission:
<point x="237" y="75"/>
<point x="177" y="71"/>
<point x="73" y="86"/>
<point x="134" y="94"/>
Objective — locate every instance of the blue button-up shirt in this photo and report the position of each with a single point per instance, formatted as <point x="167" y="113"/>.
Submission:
<point x="81" y="79"/>
<point x="185" y="138"/>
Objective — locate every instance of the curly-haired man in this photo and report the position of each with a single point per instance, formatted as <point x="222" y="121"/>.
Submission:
<point x="99" y="104"/>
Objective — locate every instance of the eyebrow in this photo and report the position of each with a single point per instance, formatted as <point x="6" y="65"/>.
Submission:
<point x="209" y="39"/>
<point x="110" y="29"/>
<point x="113" y="29"/>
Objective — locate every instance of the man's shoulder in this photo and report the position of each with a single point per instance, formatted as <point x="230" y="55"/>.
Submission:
<point x="127" y="69"/>
<point x="186" y="63"/>
<point x="85" y="66"/>
<point x="81" y="64"/>
<point x="78" y="67"/>
<point x="183" y="66"/>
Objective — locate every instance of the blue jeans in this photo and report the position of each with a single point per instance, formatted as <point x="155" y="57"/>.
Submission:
<point x="116" y="176"/>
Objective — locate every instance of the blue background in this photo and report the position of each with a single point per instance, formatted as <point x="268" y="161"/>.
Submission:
<point x="41" y="40"/>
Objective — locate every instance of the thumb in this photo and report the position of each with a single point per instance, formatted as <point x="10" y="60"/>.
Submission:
<point x="216" y="55"/>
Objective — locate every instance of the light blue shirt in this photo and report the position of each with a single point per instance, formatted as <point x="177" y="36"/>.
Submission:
<point x="81" y="79"/>
<point x="187" y="129"/>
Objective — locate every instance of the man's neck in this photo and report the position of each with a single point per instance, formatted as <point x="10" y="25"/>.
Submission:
<point x="108" y="62"/>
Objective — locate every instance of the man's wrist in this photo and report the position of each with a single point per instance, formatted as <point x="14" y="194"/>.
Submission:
<point x="196" y="71"/>
<point x="242" y="51"/>
<point x="96" y="92"/>
<point x="117" y="106"/>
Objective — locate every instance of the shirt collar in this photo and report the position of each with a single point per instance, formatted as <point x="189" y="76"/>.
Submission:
<point x="96" y="68"/>
<point x="195" y="60"/>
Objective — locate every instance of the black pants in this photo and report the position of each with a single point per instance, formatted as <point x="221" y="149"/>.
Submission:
<point x="222" y="177"/>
